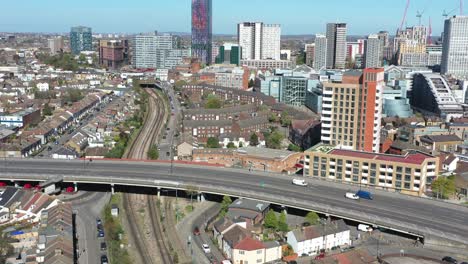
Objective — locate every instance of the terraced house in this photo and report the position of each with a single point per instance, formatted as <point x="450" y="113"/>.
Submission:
<point x="407" y="173"/>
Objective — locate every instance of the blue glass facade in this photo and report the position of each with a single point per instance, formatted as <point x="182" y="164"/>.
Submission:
<point x="81" y="39"/>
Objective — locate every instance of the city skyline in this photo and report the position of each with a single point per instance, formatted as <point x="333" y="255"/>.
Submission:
<point x="175" y="16"/>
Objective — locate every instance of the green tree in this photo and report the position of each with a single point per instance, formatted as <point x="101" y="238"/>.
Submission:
<point x="312" y="218"/>
<point x="47" y="111"/>
<point x="274" y="140"/>
<point x="251" y="83"/>
<point x="153" y="152"/>
<point x="82" y="59"/>
<point x="444" y="187"/>
<point x="212" y="142"/>
<point x="254" y="140"/>
<point x="300" y="59"/>
<point x="271" y="221"/>
<point x="283" y="222"/>
<point x="285" y="119"/>
<point x="6" y="249"/>
<point x="212" y="102"/>
<point x="225" y="205"/>
<point x="294" y="148"/>
<point x="231" y="145"/>
<point x="273" y="118"/>
<point x="241" y="144"/>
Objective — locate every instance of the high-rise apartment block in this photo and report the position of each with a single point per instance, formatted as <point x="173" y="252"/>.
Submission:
<point x="202" y="30"/>
<point x="81" y="39"/>
<point x="352" y="110"/>
<point x="157" y="51"/>
<point x="229" y="53"/>
<point x="259" y="41"/>
<point x="373" y="52"/>
<point x="113" y="54"/>
<point x="320" y="55"/>
<point x="455" y="47"/>
<point x="55" y="45"/>
<point x="309" y="50"/>
<point x="336" y="45"/>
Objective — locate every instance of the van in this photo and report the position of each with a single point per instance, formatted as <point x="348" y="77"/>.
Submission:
<point x="364" y="228"/>
<point x="365" y="195"/>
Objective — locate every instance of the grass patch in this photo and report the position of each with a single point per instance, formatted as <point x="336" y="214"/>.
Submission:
<point x="114" y="233"/>
<point x="189" y="208"/>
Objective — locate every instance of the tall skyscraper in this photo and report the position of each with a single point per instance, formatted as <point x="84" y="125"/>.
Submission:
<point x="352" y="110"/>
<point x="373" y="52"/>
<point x="259" y="41"/>
<point x="320" y="55"/>
<point x="55" y="45"/>
<point x="81" y="39"/>
<point x="336" y="45"/>
<point x="202" y="30"/>
<point x="455" y="47"/>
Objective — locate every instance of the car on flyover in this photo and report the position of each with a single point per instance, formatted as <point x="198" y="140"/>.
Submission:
<point x="352" y="196"/>
<point x="299" y="182"/>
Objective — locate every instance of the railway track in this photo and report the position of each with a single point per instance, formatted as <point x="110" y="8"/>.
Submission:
<point x="146" y="137"/>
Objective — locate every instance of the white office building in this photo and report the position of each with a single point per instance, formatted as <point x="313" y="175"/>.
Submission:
<point x="455" y="47"/>
<point x="320" y="55"/>
<point x="55" y="45"/>
<point x="259" y="41"/>
<point x="373" y="52"/>
<point x="157" y="51"/>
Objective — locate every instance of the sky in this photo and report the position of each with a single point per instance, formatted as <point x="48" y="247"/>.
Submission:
<point x="295" y="16"/>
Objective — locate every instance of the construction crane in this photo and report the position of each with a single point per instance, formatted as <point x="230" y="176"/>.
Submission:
<point x="404" y="15"/>
<point x="445" y="14"/>
<point x="419" y="16"/>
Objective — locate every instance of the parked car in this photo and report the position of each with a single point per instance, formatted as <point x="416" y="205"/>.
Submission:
<point x="364" y="228"/>
<point x="299" y="182"/>
<point x="206" y="248"/>
<point x="103" y="246"/>
<point x="196" y="231"/>
<point x="104" y="259"/>
<point x="448" y="259"/>
<point x="98" y="222"/>
<point x="352" y="196"/>
<point x="101" y="233"/>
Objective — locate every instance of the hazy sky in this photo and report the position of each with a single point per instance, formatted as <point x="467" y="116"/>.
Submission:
<point x="295" y="16"/>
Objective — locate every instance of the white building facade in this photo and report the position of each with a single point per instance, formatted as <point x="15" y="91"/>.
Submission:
<point x="455" y="47"/>
<point x="259" y="41"/>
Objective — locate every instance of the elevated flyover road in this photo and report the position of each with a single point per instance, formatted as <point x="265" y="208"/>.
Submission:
<point x="432" y="220"/>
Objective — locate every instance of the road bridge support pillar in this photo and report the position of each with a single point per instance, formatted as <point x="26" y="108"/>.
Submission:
<point x="112" y="189"/>
<point x="75" y="185"/>
<point x="17" y="185"/>
<point x="159" y="193"/>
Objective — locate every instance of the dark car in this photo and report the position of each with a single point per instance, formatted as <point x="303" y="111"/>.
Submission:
<point x="196" y="231"/>
<point x="104" y="259"/>
<point x="98" y="221"/>
<point x="448" y="259"/>
<point x="101" y="233"/>
<point x="103" y="246"/>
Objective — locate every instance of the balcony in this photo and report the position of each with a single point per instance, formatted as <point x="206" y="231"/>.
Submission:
<point x="326" y="119"/>
<point x="326" y="138"/>
<point x="365" y="174"/>
<point x="417" y="173"/>
<point x="324" y="112"/>
<point x="431" y="167"/>
<point x="325" y="91"/>
<point x="347" y="172"/>
<point x="332" y="163"/>
<point x="349" y="165"/>
<point x="417" y="182"/>
<point x="329" y="125"/>
<point x="365" y="167"/>
<point x="332" y="170"/>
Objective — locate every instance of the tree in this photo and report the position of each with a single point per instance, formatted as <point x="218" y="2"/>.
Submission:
<point x="241" y="144"/>
<point x="274" y="140"/>
<point x="254" y="140"/>
<point x="312" y="218"/>
<point x="294" y="148"/>
<point x="212" y="142"/>
<point x="251" y="83"/>
<point x="82" y="59"/>
<point x="212" y="102"/>
<point x="300" y="59"/>
<point x="273" y="118"/>
<point x="271" y="221"/>
<point x="191" y="191"/>
<point x="444" y="187"/>
<point x="231" y="145"/>
<point x="285" y="119"/>
<point x="47" y="111"/>
<point x="153" y="152"/>
<point x="225" y="205"/>
<point x="283" y="223"/>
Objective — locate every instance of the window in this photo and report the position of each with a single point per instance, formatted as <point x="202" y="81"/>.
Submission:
<point x="408" y="178"/>
<point x="407" y="185"/>
<point x="259" y="251"/>
<point x="408" y="170"/>
<point x="241" y="252"/>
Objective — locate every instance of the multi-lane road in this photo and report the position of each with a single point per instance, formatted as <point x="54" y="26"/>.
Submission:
<point x="408" y="214"/>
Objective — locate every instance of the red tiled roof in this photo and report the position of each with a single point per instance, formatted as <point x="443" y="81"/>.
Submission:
<point x="417" y="158"/>
<point x="249" y="244"/>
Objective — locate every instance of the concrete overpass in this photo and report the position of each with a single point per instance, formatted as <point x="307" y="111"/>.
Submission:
<point x="436" y="222"/>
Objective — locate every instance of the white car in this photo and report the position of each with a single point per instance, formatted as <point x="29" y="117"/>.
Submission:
<point x="352" y="196"/>
<point x="206" y="248"/>
<point x="299" y="182"/>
